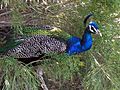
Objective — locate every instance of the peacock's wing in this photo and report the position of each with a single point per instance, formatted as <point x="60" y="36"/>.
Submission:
<point x="37" y="45"/>
<point x="35" y="30"/>
<point x="45" y="30"/>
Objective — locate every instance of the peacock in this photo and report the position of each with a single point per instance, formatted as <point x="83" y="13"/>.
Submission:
<point x="36" y="45"/>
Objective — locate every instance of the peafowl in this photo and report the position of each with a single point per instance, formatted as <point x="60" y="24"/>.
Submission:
<point x="35" y="45"/>
<point x="77" y="45"/>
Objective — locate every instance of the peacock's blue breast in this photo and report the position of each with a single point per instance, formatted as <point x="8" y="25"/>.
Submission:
<point x="73" y="45"/>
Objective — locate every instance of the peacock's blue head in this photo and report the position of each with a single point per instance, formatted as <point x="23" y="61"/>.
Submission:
<point x="93" y="28"/>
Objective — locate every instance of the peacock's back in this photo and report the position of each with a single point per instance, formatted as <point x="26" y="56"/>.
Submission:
<point x="35" y="46"/>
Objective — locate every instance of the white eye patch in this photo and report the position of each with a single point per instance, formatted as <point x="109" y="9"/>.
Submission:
<point x="92" y="29"/>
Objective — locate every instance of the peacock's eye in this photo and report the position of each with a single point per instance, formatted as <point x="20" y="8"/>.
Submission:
<point x="92" y="29"/>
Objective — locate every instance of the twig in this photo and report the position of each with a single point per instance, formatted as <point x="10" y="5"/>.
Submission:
<point x="44" y="2"/>
<point x="4" y="22"/>
<point x="8" y="12"/>
<point x="40" y="73"/>
<point x="116" y="37"/>
<point x="31" y="7"/>
<point x="106" y="74"/>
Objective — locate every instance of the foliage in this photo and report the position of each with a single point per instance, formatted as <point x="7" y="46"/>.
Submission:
<point x="101" y="66"/>
<point x="17" y="76"/>
<point x="62" y="66"/>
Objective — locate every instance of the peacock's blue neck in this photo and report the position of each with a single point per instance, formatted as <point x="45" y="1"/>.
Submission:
<point x="86" y="41"/>
<point x="76" y="45"/>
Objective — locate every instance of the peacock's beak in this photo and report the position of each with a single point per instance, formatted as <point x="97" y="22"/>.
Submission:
<point x="99" y="33"/>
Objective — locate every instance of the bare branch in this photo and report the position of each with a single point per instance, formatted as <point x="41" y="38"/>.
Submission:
<point x="40" y="76"/>
<point x="5" y="13"/>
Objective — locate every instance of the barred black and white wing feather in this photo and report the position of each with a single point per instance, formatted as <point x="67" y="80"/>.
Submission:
<point x="37" y="45"/>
